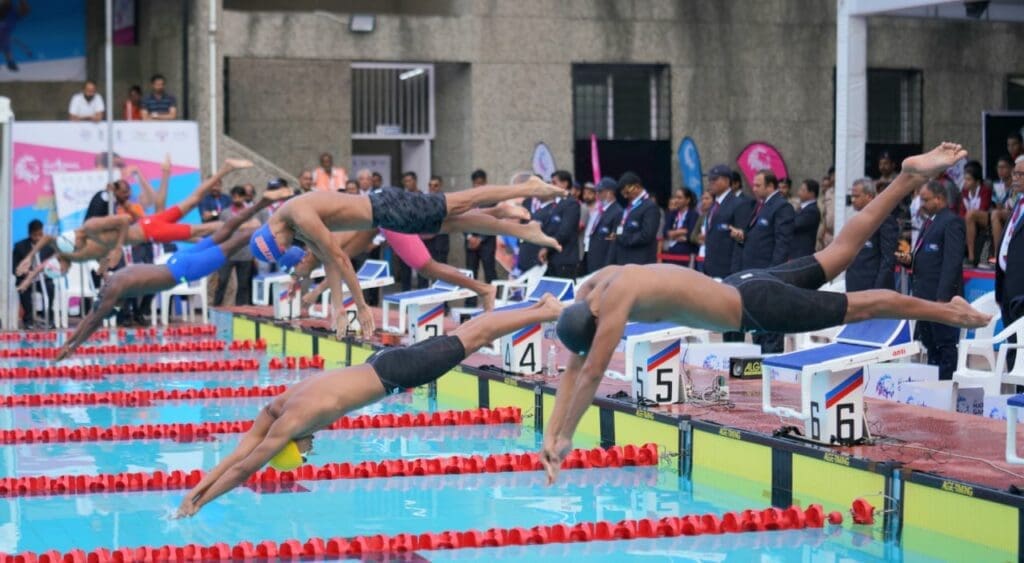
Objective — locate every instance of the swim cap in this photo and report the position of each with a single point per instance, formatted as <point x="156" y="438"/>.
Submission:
<point x="291" y="258"/>
<point x="288" y="458"/>
<point x="263" y="245"/>
<point x="576" y="328"/>
<point x="65" y="245"/>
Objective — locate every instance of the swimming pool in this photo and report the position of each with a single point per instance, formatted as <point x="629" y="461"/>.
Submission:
<point x="344" y="508"/>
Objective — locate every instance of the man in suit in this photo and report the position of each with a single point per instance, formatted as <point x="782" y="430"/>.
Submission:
<point x="563" y="224"/>
<point x="480" y="249"/>
<point x="729" y="211"/>
<point x="601" y="224"/>
<point x="1010" y="260"/>
<point x="636" y="236"/>
<point x="873" y="266"/>
<point x="805" y="224"/>
<point x="937" y="260"/>
<point x="437" y="244"/>
<point x="22" y="249"/>
<point x="764" y="241"/>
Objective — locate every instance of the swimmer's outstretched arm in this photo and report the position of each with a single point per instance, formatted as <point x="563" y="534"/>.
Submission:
<point x="25" y="264"/>
<point x="579" y="385"/>
<point x="231" y="475"/>
<point x="110" y="296"/>
<point x="257" y="432"/>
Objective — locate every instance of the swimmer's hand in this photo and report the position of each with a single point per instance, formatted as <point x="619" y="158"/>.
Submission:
<point x="551" y="456"/>
<point x="187" y="509"/>
<point x="24" y="266"/>
<point x="64" y="352"/>
<point x="366" y="323"/>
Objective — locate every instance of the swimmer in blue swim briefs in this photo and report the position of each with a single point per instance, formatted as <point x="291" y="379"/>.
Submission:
<point x="201" y="260"/>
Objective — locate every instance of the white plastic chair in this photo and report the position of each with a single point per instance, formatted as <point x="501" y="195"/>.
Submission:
<point x="525" y="283"/>
<point x="991" y="379"/>
<point x="978" y="345"/>
<point x="187" y="291"/>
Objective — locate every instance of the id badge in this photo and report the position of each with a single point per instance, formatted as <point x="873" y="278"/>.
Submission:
<point x="618" y="231"/>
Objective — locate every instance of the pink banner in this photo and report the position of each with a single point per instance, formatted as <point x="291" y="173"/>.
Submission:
<point x="595" y="162"/>
<point x="761" y="156"/>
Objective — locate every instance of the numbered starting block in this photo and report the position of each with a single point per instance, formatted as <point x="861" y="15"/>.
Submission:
<point x="285" y="307"/>
<point x="653" y="354"/>
<point x="423" y="300"/>
<point x="522" y="351"/>
<point x="832" y="378"/>
<point x="425" y="321"/>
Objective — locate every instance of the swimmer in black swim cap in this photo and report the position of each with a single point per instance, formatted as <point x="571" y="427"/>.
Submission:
<point x="780" y="299"/>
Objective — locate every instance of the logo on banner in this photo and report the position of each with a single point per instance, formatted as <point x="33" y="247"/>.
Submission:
<point x="759" y="156"/>
<point x="689" y="164"/>
<point x="543" y="161"/>
<point x="27" y="169"/>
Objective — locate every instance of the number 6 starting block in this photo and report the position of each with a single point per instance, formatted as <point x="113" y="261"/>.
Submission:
<point x="832" y="378"/>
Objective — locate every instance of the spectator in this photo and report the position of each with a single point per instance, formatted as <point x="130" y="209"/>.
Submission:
<point x="352" y="187"/>
<point x="873" y="266"/>
<point x="765" y="240"/>
<point x="636" y="237"/>
<point x="99" y="205"/>
<point x="697" y="237"/>
<point x="562" y="224"/>
<point x="975" y="202"/>
<point x="378" y="180"/>
<point x="480" y="249"/>
<point x="787" y="193"/>
<point x="886" y="170"/>
<point x="1003" y="203"/>
<point x="737" y="188"/>
<point x="328" y="177"/>
<point x="601" y="225"/>
<point x="250" y="193"/>
<point x="305" y="182"/>
<point x="364" y="178"/>
<point x="409" y="182"/>
<point x="805" y="224"/>
<point x="679" y="225"/>
<point x="937" y="263"/>
<point x="1014" y="146"/>
<point x="213" y="203"/>
<point x="724" y="214"/>
<point x="21" y="250"/>
<point x="159" y="104"/>
<point x="588" y="199"/>
<point x="529" y="253"/>
<point x="86" y="105"/>
<point x="439" y="244"/>
<point x="827" y="207"/>
<point x="133" y="105"/>
<point x="1010" y="263"/>
<point x="241" y="262"/>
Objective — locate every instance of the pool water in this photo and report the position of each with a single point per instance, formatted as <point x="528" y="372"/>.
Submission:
<point x="343" y="508"/>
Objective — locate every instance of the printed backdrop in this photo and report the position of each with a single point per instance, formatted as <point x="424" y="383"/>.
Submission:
<point x="47" y="147"/>
<point x="42" y="40"/>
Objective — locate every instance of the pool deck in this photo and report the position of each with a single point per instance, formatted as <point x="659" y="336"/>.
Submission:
<point x="916" y="438"/>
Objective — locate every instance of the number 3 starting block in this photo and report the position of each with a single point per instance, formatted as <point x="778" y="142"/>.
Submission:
<point x="832" y="378"/>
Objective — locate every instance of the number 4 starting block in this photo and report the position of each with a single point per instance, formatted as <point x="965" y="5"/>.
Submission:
<point x="521" y="351"/>
<point x="832" y="378"/>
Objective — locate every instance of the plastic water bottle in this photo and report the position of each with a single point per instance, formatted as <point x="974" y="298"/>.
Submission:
<point x="552" y="363"/>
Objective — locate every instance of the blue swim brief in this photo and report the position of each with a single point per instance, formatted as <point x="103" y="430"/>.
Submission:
<point x="195" y="263"/>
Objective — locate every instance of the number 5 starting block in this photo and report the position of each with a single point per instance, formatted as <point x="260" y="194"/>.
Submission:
<point x="832" y="377"/>
<point x="653" y="358"/>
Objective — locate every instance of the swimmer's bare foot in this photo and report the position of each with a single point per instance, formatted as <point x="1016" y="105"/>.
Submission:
<point x="237" y="163"/>
<point x="534" y="234"/>
<point x="936" y="161"/>
<point x="543" y="190"/>
<point x="488" y="296"/>
<point x="509" y="211"/>
<point x="965" y="316"/>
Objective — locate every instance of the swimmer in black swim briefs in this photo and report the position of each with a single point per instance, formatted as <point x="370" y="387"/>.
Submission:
<point x="313" y="216"/>
<point x="191" y="264"/>
<point x="778" y="299"/>
<point x="290" y="420"/>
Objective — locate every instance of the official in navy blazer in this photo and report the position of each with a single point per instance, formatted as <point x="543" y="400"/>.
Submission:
<point x="764" y="242"/>
<point x="539" y="212"/>
<point x="1010" y="258"/>
<point x="873" y="266"/>
<point x="725" y="213"/>
<point x="636" y="236"/>
<point x="937" y="261"/>
<point x="563" y="223"/>
<point x="805" y="224"/>
<point x="604" y="219"/>
<point x="679" y="225"/>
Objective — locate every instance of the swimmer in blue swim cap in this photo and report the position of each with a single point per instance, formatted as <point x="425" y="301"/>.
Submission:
<point x="282" y="432"/>
<point x="780" y="299"/>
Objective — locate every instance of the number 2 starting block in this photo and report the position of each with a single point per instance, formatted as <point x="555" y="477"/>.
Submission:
<point x="832" y="378"/>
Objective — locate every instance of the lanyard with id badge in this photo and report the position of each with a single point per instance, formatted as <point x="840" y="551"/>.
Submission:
<point x="625" y="215"/>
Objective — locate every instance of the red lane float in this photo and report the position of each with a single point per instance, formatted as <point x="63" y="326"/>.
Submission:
<point x="193" y="346"/>
<point x="271" y="480"/>
<point x="198" y="431"/>
<point x="358" y="546"/>
<point x="93" y="372"/>
<point x="103" y="334"/>
<point x="137" y="398"/>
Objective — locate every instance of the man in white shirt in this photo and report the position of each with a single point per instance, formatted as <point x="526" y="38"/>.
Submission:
<point x="86" y="105"/>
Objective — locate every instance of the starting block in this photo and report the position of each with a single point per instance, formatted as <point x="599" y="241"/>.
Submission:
<point x="422" y="300"/>
<point x="653" y="354"/>
<point x="425" y="321"/>
<point x="1013" y="404"/>
<point x="285" y="308"/>
<point x="521" y="351"/>
<point x="832" y="378"/>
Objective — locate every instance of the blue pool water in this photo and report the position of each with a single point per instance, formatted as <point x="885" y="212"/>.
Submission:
<point x="358" y="506"/>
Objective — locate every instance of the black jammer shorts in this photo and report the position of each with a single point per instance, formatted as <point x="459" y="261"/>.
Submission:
<point x="408" y="212"/>
<point x="411" y="366"/>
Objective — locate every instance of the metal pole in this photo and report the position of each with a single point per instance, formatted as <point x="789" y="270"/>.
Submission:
<point x="212" y="7"/>
<point x="109" y="54"/>
<point x="8" y="309"/>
